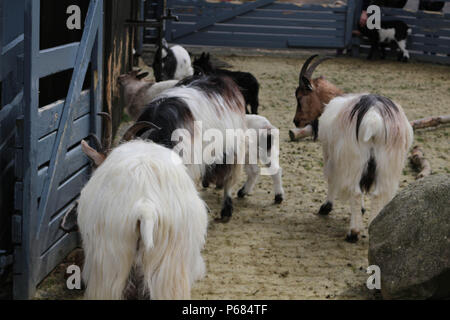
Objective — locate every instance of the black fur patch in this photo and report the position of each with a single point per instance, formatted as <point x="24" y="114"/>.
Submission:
<point x="326" y="208"/>
<point x="278" y="199"/>
<point x="246" y="82"/>
<point x="352" y="238"/>
<point x="241" y="192"/>
<point x="227" y="208"/>
<point x="269" y="142"/>
<point x="369" y="175"/>
<point x="169" y="66"/>
<point x="387" y="108"/>
<point x="169" y="114"/>
<point x="315" y="128"/>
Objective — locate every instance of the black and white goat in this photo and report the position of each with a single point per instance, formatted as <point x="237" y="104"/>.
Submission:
<point x="246" y="82"/>
<point x="175" y="62"/>
<point x="392" y="33"/>
<point x="365" y="141"/>
<point x="142" y="224"/>
<point x="196" y="105"/>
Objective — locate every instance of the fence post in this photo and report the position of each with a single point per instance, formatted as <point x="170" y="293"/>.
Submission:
<point x="355" y="41"/>
<point x="351" y="5"/>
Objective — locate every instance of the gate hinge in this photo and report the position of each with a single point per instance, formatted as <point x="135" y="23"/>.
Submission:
<point x="5" y="261"/>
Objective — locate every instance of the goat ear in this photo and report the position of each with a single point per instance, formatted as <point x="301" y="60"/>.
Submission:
<point x="307" y="84"/>
<point x="95" y="156"/>
<point x="142" y="75"/>
<point x="165" y="44"/>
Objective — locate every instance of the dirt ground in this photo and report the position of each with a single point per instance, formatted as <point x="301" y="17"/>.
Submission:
<point x="287" y="251"/>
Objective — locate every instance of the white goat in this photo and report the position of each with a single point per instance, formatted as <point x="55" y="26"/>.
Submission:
<point x="268" y="154"/>
<point x="140" y="213"/>
<point x="365" y="142"/>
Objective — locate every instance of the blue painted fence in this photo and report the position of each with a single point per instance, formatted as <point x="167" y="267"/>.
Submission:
<point x="430" y="38"/>
<point x="271" y="24"/>
<point x="39" y="144"/>
<point x="261" y="24"/>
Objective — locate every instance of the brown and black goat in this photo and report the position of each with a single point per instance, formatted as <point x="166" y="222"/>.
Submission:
<point x="312" y="95"/>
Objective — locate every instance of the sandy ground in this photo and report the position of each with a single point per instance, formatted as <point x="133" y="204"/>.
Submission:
<point x="286" y="251"/>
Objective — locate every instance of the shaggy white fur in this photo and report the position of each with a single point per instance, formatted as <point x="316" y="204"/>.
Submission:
<point x="384" y="138"/>
<point x="141" y="210"/>
<point x="213" y="113"/>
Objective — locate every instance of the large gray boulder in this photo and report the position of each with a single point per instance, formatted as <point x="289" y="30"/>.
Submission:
<point x="410" y="241"/>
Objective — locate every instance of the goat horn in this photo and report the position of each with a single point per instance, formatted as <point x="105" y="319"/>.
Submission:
<point x="135" y="128"/>
<point x="97" y="143"/>
<point x="305" y="67"/>
<point x="107" y="141"/>
<point x="313" y="67"/>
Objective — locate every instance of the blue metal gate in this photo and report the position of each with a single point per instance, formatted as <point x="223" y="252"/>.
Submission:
<point x="261" y="24"/>
<point x="49" y="166"/>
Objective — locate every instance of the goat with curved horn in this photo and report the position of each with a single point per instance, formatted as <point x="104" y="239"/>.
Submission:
<point x="309" y="73"/>
<point x="138" y="126"/>
<point x="312" y="95"/>
<point x="305" y="68"/>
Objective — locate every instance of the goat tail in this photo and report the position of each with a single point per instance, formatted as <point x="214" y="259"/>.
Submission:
<point x="372" y="126"/>
<point x="148" y="219"/>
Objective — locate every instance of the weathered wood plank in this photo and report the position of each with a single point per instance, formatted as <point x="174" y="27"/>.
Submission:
<point x="75" y="159"/>
<point x="49" y="115"/>
<point x="57" y="59"/>
<point x="54" y="255"/>
<point x="277" y="30"/>
<point x="322" y="41"/>
<point x="295" y="15"/>
<point x="429" y="48"/>
<point x="274" y="22"/>
<point x="80" y="130"/>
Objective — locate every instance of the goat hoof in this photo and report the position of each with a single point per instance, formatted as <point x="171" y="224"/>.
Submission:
<point x="326" y="208"/>
<point x="241" y="193"/>
<point x="205" y="184"/>
<point x="352" y="237"/>
<point x="278" y="198"/>
<point x="363" y="210"/>
<point x="223" y="219"/>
